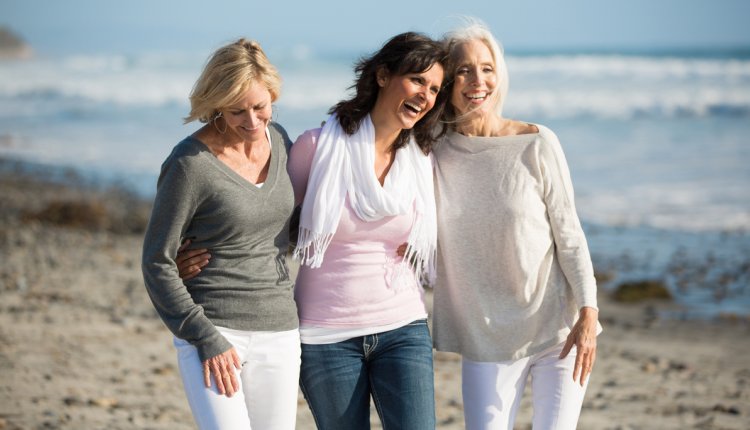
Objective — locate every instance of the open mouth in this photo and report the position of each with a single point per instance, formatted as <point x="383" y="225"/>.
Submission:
<point x="413" y="107"/>
<point x="477" y="97"/>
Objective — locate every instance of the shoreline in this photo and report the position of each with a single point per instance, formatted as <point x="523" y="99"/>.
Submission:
<point x="707" y="271"/>
<point x="82" y="347"/>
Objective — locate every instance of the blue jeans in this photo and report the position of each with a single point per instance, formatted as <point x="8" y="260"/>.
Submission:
<point x="395" y="367"/>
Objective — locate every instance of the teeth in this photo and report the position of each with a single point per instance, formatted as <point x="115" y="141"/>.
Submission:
<point x="414" y="107"/>
<point x="477" y="96"/>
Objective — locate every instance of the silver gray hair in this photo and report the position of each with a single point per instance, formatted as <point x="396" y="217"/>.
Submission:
<point x="474" y="29"/>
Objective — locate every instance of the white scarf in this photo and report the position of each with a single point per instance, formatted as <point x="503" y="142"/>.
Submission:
<point x="343" y="165"/>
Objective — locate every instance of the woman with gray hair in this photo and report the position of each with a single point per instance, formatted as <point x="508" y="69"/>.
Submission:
<point x="515" y="292"/>
<point x="226" y="187"/>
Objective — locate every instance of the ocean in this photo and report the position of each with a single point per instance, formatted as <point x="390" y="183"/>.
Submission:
<point x="657" y="142"/>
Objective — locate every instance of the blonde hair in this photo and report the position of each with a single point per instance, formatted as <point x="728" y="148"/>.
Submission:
<point x="474" y="29"/>
<point x="229" y="73"/>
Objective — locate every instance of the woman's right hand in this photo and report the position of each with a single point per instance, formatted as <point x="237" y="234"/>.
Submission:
<point x="190" y="261"/>
<point x="222" y="367"/>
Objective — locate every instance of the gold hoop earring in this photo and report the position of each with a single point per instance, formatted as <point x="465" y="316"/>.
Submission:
<point x="219" y="115"/>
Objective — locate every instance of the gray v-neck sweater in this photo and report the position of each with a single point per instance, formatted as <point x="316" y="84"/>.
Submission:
<point x="246" y="284"/>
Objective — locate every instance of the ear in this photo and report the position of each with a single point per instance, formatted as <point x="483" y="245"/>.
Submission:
<point x="382" y="76"/>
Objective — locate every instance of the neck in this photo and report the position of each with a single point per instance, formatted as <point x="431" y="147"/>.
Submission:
<point x="480" y="125"/>
<point x="385" y="134"/>
<point x="230" y="142"/>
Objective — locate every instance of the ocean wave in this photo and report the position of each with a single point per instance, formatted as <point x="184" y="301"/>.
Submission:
<point x="614" y="103"/>
<point x="689" y="205"/>
<point x="554" y="86"/>
<point x="623" y="67"/>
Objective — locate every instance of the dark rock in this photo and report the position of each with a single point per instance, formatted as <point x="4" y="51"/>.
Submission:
<point x="636" y="291"/>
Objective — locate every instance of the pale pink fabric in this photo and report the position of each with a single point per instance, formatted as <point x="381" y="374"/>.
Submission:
<point x="353" y="286"/>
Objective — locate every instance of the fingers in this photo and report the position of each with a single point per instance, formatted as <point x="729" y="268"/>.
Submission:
<point x="218" y="378"/>
<point x="236" y="360"/>
<point x="587" y="366"/>
<point x="578" y="367"/>
<point x="585" y="357"/>
<point x="583" y="336"/>
<point x="569" y="342"/>
<point x="222" y="368"/>
<point x="188" y="266"/>
<point x="190" y="255"/>
<point x="184" y="245"/>
<point x="206" y="375"/>
<point x="226" y="380"/>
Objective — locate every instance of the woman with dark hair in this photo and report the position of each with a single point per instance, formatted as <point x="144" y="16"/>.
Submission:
<point x="365" y="181"/>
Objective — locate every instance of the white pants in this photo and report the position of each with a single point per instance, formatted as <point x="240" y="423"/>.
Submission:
<point x="492" y="391"/>
<point x="267" y="398"/>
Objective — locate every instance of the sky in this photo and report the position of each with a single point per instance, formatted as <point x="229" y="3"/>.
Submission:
<point x="91" y="26"/>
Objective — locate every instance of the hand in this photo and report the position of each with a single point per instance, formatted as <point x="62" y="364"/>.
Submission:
<point x="190" y="261"/>
<point x="222" y="368"/>
<point x="583" y="336"/>
<point x="401" y="250"/>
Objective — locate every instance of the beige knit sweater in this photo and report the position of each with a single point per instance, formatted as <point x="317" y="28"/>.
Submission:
<point x="513" y="264"/>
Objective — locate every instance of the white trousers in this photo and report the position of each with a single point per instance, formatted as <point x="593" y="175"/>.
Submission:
<point x="267" y="398"/>
<point x="492" y="391"/>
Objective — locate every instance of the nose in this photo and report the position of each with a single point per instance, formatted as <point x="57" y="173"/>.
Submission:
<point x="475" y="78"/>
<point x="253" y="118"/>
<point x="425" y="92"/>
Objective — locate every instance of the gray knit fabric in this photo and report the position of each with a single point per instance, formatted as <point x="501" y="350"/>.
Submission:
<point x="246" y="284"/>
<point x="513" y="263"/>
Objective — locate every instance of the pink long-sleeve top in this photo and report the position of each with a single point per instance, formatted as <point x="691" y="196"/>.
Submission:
<point x="354" y="287"/>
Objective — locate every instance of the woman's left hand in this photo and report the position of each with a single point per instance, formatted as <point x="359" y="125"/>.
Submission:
<point x="583" y="336"/>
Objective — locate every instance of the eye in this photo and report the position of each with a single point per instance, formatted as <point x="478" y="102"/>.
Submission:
<point x="237" y="112"/>
<point x="434" y="90"/>
<point x="488" y="69"/>
<point x="462" y="70"/>
<point x="417" y="80"/>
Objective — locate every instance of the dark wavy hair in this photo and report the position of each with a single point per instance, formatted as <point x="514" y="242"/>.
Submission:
<point x="405" y="53"/>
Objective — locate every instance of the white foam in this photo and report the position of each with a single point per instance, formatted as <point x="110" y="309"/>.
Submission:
<point x="545" y="86"/>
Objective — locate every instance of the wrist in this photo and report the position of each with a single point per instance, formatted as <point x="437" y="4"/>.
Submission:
<point x="588" y="312"/>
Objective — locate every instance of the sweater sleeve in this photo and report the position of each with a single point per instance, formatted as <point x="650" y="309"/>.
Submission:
<point x="174" y="206"/>
<point x="570" y="242"/>
<point x="300" y="161"/>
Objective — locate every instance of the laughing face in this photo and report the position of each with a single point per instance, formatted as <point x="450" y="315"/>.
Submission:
<point x="475" y="85"/>
<point x="248" y="118"/>
<point x="405" y="99"/>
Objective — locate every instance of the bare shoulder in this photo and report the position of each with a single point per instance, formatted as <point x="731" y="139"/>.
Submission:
<point x="521" y="127"/>
<point x="511" y="127"/>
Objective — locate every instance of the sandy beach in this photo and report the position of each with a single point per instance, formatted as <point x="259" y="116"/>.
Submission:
<point x="82" y="348"/>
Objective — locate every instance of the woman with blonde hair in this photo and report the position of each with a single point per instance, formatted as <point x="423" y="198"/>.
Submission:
<point x="226" y="188"/>
<point x="515" y="292"/>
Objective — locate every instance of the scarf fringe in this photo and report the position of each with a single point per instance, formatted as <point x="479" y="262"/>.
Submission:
<point x="311" y="247"/>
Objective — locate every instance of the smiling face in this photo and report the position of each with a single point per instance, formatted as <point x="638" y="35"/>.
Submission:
<point x="475" y="85"/>
<point x="250" y="115"/>
<point x="405" y="99"/>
